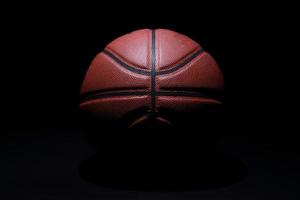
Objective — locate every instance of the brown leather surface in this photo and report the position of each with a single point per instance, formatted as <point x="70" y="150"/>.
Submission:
<point x="135" y="62"/>
<point x="115" y="107"/>
<point x="201" y="72"/>
<point x="105" y="74"/>
<point x="171" y="47"/>
<point x="183" y="104"/>
<point x="134" y="48"/>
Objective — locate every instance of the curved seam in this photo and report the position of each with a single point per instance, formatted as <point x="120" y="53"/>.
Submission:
<point x="97" y="94"/>
<point x="159" y="73"/>
<point x="124" y="60"/>
<point x="124" y="65"/>
<point x="112" y="93"/>
<point x="184" y="93"/>
<point x="186" y="56"/>
<point x="181" y="64"/>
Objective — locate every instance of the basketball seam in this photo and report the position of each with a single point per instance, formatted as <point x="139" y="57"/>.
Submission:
<point x="124" y="60"/>
<point x="177" y="62"/>
<point x="182" y="63"/>
<point x="206" y="93"/>
<point x="153" y="72"/>
<point x="136" y="70"/>
<point x="126" y="66"/>
<point x="111" y="93"/>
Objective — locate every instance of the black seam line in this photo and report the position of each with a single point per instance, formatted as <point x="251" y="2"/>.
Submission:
<point x="147" y="73"/>
<point x="128" y="67"/>
<point x="204" y="94"/>
<point x="182" y="64"/>
<point x="115" y="93"/>
<point x="153" y="72"/>
<point x="102" y="94"/>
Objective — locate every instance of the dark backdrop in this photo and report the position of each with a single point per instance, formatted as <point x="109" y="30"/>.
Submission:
<point x="48" y="48"/>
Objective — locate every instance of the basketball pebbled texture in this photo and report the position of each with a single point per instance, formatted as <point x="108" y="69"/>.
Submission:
<point x="151" y="75"/>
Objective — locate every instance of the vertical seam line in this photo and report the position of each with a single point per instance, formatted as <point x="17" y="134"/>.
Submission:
<point x="153" y="72"/>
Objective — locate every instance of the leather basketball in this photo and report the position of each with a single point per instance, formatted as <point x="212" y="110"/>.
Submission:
<point x="151" y="75"/>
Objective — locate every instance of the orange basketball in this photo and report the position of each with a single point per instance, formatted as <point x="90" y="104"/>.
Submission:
<point x="151" y="75"/>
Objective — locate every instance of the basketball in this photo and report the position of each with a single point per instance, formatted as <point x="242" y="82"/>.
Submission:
<point x="151" y="76"/>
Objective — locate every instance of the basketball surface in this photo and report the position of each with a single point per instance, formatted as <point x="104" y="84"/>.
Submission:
<point x="151" y="75"/>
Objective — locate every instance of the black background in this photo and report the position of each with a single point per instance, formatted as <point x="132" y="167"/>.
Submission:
<point x="47" y="49"/>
